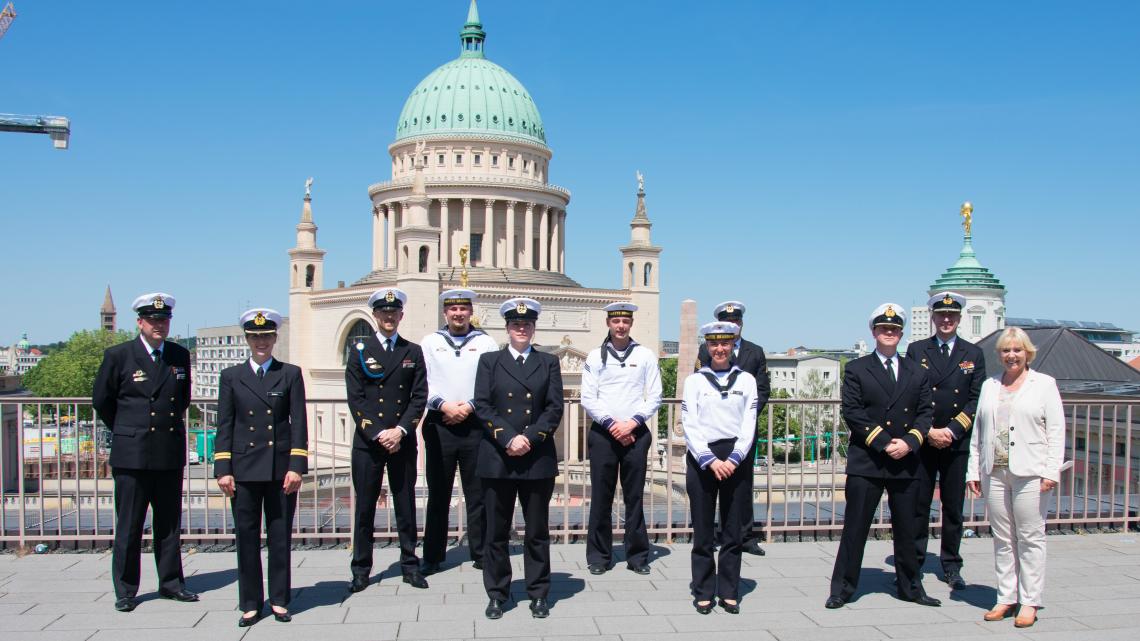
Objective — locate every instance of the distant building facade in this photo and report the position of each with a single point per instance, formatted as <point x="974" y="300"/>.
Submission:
<point x="1121" y="343"/>
<point x="22" y="357"/>
<point x="107" y="312"/>
<point x="804" y="375"/>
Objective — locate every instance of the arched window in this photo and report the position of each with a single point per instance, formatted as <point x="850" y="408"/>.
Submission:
<point x="648" y="273"/>
<point x="310" y="274"/>
<point x="631" y="280"/>
<point x="424" y="259"/>
<point x="361" y="329"/>
<point x="295" y="273"/>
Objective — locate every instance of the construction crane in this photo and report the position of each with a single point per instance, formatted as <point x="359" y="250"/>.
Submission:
<point x="57" y="127"/>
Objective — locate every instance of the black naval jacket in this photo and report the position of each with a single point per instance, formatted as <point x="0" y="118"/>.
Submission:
<point x="262" y="423"/>
<point x="144" y="403"/>
<point x="875" y="416"/>
<point x="955" y="385"/>
<point x="386" y="389"/>
<point x="750" y="358"/>
<point x="510" y="400"/>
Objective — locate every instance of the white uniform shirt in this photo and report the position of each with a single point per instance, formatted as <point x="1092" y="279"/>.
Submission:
<point x="620" y="390"/>
<point x="707" y="415"/>
<point x="451" y="364"/>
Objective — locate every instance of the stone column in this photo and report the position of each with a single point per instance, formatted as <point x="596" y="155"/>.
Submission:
<point x="489" y="235"/>
<point x="390" y="254"/>
<point x="444" y="232"/>
<point x="377" y="238"/>
<point x="466" y="229"/>
<point x="528" y="238"/>
<point x="562" y="242"/>
<point x="511" y="258"/>
<point x="544" y="238"/>
<point x="555" y="239"/>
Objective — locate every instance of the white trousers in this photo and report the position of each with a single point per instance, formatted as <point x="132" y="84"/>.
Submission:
<point x="1017" y="517"/>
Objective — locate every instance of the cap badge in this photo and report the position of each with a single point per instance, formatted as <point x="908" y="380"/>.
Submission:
<point x="259" y="320"/>
<point x="890" y="313"/>
<point x="730" y="308"/>
<point x="158" y="302"/>
<point x="390" y="296"/>
<point x="521" y="308"/>
<point x="948" y="300"/>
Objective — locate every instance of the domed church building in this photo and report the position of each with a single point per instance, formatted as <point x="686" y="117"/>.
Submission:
<point x="469" y="196"/>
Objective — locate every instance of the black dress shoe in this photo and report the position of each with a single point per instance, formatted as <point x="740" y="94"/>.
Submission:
<point x="703" y="608"/>
<point x="642" y="568"/>
<point x="184" y="595"/>
<point x="359" y="582"/>
<point x="834" y="602"/>
<point x="494" y="609"/>
<point x="539" y="609"/>
<point x="416" y="580"/>
<point x="731" y="608"/>
<point x="428" y="569"/>
<point x="752" y="547"/>
<point x="282" y="617"/>
<point x="928" y="601"/>
<point x="597" y="568"/>
<point x="125" y="604"/>
<point x="477" y="565"/>
<point x="245" y="622"/>
<point x="955" y="581"/>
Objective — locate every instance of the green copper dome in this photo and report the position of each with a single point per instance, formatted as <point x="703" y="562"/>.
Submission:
<point x="967" y="273"/>
<point x="471" y="95"/>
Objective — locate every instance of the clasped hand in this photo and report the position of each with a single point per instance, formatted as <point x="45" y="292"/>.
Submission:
<point x="722" y="469"/>
<point x="390" y="438"/>
<point x="622" y="431"/>
<point x="940" y="437"/>
<point x="455" y="412"/>
<point x="897" y="448"/>
<point x="518" y="446"/>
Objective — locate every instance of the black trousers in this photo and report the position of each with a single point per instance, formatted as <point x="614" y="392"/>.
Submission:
<point x="499" y="499"/>
<point x="251" y="500"/>
<point x="135" y="490"/>
<point x="609" y="461"/>
<point x="863" y="495"/>
<point x="719" y="577"/>
<point x="368" y="467"/>
<point x="448" y="447"/>
<point x="947" y="467"/>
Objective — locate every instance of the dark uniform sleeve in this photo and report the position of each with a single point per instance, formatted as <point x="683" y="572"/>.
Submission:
<point x="960" y="425"/>
<point x="354" y="380"/>
<point x="923" y="413"/>
<point x="417" y="401"/>
<point x="547" y="422"/>
<point x="298" y="426"/>
<point x="224" y="441"/>
<point x="763" y="383"/>
<point x="105" y="393"/>
<point x="863" y="432"/>
<point x="500" y="430"/>
<point x="184" y="384"/>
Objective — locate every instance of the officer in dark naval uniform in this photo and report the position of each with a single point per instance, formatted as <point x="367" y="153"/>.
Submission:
<point x="141" y="392"/>
<point x="886" y="405"/>
<point x="387" y="391"/>
<point x="956" y="369"/>
<point x="749" y="357"/>
<point x="518" y="397"/>
<point x="260" y="453"/>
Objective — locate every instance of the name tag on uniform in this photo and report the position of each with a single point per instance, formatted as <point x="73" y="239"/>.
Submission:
<point x="407" y="363"/>
<point x="737" y="392"/>
<point x="179" y="373"/>
<point x="276" y="394"/>
<point x="139" y="376"/>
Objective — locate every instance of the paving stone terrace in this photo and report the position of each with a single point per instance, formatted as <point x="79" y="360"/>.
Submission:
<point x="1093" y="593"/>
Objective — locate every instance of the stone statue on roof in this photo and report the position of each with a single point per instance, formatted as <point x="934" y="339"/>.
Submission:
<point x="967" y="216"/>
<point x="640" y="181"/>
<point x="309" y="187"/>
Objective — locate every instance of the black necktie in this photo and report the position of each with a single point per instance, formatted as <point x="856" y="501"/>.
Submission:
<point x="891" y="370"/>
<point x="388" y="345"/>
<point x="156" y="355"/>
<point x="946" y="351"/>
<point x="520" y="360"/>
<point x="261" y="372"/>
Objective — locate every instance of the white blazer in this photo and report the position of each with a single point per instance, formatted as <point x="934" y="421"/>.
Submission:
<point x="1037" y="429"/>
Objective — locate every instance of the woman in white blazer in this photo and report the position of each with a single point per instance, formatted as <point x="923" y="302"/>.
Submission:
<point x="1015" y="461"/>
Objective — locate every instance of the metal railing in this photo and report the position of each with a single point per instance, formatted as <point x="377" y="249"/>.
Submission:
<point x="57" y="485"/>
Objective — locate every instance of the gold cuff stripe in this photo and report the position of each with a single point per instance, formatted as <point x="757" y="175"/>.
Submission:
<point x="964" y="420"/>
<point x="218" y="456"/>
<point x="495" y="434"/>
<point x="543" y="435"/>
<point x="917" y="435"/>
<point x="298" y="452"/>
<point x="873" y="434"/>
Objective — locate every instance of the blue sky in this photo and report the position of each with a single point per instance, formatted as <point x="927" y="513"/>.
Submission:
<point x="807" y="158"/>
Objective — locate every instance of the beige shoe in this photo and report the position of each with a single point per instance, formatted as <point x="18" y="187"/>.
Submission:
<point x="1026" y="617"/>
<point x="999" y="612"/>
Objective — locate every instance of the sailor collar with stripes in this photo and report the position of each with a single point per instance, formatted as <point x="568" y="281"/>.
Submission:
<point x="448" y="338"/>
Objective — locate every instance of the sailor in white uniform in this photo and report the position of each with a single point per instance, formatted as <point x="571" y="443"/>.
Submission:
<point x="718" y="413"/>
<point x="621" y="391"/>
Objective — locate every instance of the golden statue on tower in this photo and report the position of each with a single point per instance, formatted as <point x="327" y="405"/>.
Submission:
<point x="967" y="216"/>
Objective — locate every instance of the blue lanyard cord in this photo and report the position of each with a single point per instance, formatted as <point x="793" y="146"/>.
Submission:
<point x="363" y="366"/>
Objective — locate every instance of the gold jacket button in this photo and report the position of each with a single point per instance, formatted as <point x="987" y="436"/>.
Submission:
<point x="270" y="428"/>
<point x="152" y="413"/>
<point x="398" y="402"/>
<point x="888" y="423"/>
<point x="251" y="444"/>
<point x="935" y="388"/>
<point x="510" y="395"/>
<point x="955" y="405"/>
<point x="268" y="411"/>
<point x="508" y="410"/>
<point x="172" y="413"/>
<point x="172" y="429"/>
<point x="528" y="395"/>
<point x="955" y="391"/>
<point x="381" y="415"/>
<point x="251" y="412"/>
<point x="251" y="428"/>
<point x="152" y="428"/>
<point x="528" y="411"/>
<point x="171" y="399"/>
<point x="271" y="442"/>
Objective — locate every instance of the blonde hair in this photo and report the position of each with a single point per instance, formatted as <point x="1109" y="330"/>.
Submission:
<point x="1017" y="335"/>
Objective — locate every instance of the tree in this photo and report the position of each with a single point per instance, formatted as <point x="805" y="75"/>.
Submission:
<point x="70" y="370"/>
<point x="668" y="390"/>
